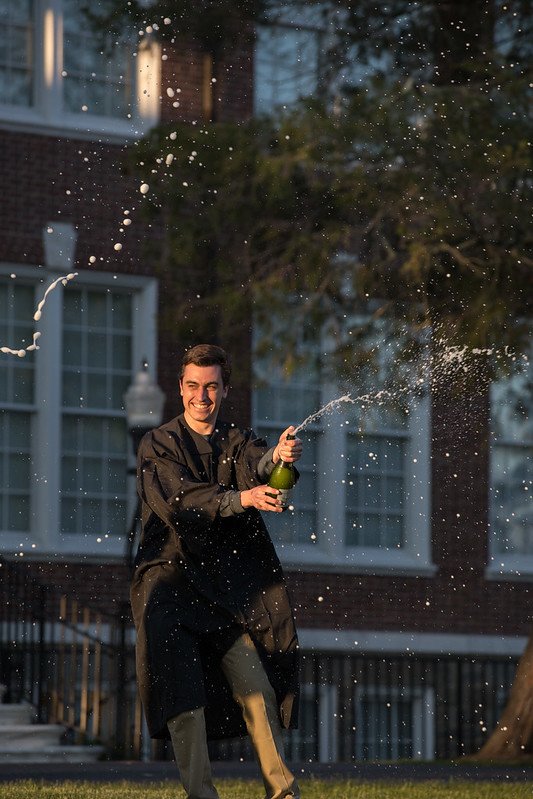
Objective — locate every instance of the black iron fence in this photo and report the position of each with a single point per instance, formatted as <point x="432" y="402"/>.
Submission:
<point x="73" y="663"/>
<point x="377" y="707"/>
<point x="76" y="666"/>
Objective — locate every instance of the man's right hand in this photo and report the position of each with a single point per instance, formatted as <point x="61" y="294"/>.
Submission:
<point x="259" y="498"/>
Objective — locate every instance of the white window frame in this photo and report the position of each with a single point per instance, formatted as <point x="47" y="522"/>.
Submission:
<point x="507" y="565"/>
<point x="329" y="549"/>
<point x="422" y="700"/>
<point x="44" y="536"/>
<point x="47" y="113"/>
<point x="268" y="60"/>
<point x="327" y="710"/>
<point x="311" y="31"/>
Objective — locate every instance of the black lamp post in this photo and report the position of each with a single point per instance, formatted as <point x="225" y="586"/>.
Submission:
<point x="144" y="403"/>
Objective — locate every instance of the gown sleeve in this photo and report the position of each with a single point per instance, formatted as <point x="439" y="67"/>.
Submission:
<point x="172" y="487"/>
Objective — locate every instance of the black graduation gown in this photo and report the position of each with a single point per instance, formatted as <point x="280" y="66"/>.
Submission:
<point x="201" y="580"/>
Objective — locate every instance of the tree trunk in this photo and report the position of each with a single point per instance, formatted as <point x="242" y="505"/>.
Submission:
<point x="512" y="738"/>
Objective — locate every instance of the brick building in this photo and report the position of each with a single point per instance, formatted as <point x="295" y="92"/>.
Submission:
<point x="407" y="556"/>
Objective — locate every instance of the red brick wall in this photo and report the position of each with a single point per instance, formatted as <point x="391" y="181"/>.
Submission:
<point x="68" y="180"/>
<point x="188" y="67"/>
<point x="460" y="474"/>
<point x="104" y="586"/>
<point x="447" y="603"/>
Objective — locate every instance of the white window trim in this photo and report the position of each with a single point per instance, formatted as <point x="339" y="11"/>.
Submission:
<point x="327" y="744"/>
<point x="422" y="699"/>
<point x="512" y="568"/>
<point x="44" y="537"/>
<point x="47" y="114"/>
<point x="277" y="29"/>
<point x="501" y="565"/>
<point x="412" y="643"/>
<point x="329" y="551"/>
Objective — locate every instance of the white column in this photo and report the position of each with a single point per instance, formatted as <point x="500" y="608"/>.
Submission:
<point x="59" y="241"/>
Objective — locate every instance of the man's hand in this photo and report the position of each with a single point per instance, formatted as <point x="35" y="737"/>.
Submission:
<point x="288" y="449"/>
<point x="258" y="498"/>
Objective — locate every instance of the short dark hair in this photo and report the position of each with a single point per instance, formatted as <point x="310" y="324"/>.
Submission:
<point x="207" y="355"/>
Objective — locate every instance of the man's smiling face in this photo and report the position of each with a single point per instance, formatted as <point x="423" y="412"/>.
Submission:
<point x="202" y="390"/>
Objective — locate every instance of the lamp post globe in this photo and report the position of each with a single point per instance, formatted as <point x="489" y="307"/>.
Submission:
<point x="144" y="403"/>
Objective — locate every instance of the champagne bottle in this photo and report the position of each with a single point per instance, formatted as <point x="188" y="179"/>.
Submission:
<point x="283" y="478"/>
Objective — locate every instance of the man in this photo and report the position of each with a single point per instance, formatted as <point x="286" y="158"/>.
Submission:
<point x="217" y="652"/>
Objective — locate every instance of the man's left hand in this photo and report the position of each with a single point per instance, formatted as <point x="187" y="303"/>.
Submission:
<point x="288" y="449"/>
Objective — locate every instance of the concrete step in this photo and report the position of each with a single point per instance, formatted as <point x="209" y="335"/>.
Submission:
<point x="29" y="736"/>
<point x="24" y="742"/>
<point x="22" y="713"/>
<point x="52" y="754"/>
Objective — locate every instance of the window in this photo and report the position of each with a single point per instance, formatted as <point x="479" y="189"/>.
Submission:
<point x="97" y="77"/>
<point x="56" y="71"/>
<point x="276" y="407"/>
<point x="393" y="724"/>
<point x="287" y="56"/>
<point x="511" y="472"/>
<point x="376" y="454"/>
<point x="286" y="66"/>
<point x="97" y="361"/>
<point x="362" y="499"/>
<point x="64" y="448"/>
<point x="17" y="52"/>
<point x="17" y="405"/>
<point x="316" y="734"/>
<point x="307" y="51"/>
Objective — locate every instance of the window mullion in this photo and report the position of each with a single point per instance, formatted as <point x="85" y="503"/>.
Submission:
<point x="417" y="498"/>
<point x="331" y="484"/>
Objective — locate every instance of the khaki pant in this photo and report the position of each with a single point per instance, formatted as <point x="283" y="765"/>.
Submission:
<point x="253" y="692"/>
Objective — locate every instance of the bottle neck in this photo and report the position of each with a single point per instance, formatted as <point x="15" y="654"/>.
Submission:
<point x="287" y="464"/>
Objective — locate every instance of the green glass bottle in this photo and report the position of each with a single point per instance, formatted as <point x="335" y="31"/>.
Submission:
<point x="283" y="478"/>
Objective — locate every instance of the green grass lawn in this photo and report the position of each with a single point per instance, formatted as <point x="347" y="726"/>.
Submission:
<point x="241" y="789"/>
